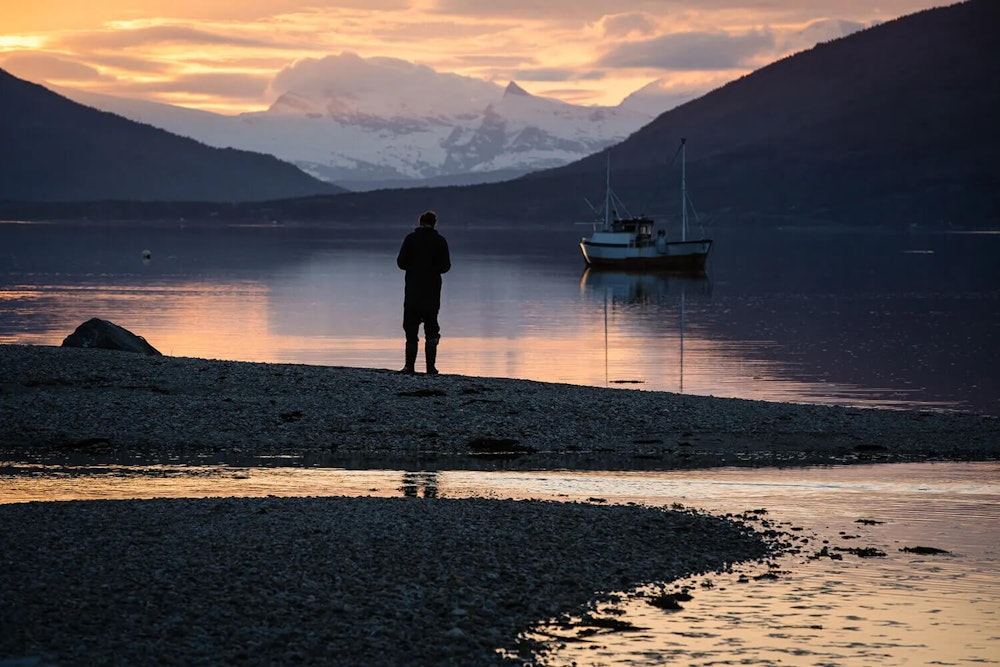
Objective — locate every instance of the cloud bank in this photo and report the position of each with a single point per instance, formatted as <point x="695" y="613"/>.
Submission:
<point x="597" y="52"/>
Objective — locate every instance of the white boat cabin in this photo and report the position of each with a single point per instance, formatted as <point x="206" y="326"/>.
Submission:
<point x="628" y="232"/>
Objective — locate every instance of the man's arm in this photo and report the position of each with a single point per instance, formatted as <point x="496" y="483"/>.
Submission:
<point x="403" y="258"/>
<point x="443" y="264"/>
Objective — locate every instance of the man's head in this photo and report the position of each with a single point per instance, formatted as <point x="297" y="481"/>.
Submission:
<point x="428" y="219"/>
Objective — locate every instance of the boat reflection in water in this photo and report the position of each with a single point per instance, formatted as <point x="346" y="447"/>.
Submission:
<point x="643" y="287"/>
<point x="654" y="292"/>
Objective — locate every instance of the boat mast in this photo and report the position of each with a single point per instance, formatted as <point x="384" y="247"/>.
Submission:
<point x="684" y="207"/>
<point x="607" y="194"/>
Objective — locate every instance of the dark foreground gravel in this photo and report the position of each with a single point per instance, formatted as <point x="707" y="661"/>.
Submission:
<point x="326" y="581"/>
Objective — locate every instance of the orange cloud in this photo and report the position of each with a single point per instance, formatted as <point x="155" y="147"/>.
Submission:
<point x="598" y="53"/>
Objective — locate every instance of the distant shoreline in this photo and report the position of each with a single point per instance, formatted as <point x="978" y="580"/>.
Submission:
<point x="200" y="215"/>
<point x="104" y="405"/>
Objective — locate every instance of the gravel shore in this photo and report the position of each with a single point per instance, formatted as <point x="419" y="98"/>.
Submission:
<point x="325" y="581"/>
<point x="61" y="402"/>
<point x="364" y="581"/>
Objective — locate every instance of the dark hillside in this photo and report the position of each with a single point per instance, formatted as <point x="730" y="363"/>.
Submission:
<point x="57" y="150"/>
<point x="898" y="120"/>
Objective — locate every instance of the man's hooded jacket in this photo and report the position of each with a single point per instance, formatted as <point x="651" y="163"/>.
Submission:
<point x="424" y="256"/>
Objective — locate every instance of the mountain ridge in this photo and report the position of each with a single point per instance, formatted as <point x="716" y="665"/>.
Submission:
<point x="871" y="129"/>
<point x="420" y="127"/>
<point x="874" y="129"/>
<point x="56" y="149"/>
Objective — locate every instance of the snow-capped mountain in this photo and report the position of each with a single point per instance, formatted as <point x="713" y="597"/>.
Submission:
<point x="397" y="124"/>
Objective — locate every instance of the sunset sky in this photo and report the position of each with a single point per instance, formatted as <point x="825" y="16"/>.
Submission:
<point x="226" y="55"/>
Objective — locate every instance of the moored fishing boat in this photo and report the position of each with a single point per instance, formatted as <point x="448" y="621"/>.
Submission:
<point x="632" y="242"/>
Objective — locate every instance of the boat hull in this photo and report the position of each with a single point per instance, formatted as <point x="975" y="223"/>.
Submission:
<point x="673" y="256"/>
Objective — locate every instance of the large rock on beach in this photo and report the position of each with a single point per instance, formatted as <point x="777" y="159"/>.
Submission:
<point x="107" y="335"/>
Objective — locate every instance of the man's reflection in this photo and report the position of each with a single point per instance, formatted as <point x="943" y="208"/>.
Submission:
<point x="423" y="482"/>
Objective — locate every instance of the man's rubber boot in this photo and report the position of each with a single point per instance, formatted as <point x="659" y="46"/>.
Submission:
<point x="430" y="354"/>
<point x="411" y="359"/>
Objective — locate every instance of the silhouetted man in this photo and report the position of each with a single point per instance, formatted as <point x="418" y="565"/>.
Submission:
<point x="424" y="256"/>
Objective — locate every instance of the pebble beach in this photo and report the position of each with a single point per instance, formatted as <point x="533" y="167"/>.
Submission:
<point x="345" y="581"/>
<point x="61" y="402"/>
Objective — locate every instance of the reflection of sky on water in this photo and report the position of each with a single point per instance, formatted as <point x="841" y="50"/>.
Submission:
<point x="523" y="307"/>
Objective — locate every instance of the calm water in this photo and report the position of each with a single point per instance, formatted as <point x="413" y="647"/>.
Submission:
<point x="897" y="608"/>
<point x="861" y="318"/>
